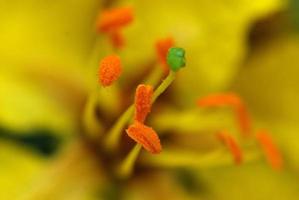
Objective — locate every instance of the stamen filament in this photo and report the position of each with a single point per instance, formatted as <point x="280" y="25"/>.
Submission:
<point x="92" y="126"/>
<point x="191" y="122"/>
<point x="113" y="136"/>
<point x="164" y="85"/>
<point x="126" y="167"/>
<point x="155" y="76"/>
<point x="179" y="159"/>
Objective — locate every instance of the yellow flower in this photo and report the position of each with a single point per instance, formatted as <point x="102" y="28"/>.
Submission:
<point x="50" y="52"/>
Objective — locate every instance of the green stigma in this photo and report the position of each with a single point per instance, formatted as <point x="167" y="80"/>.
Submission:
<point x="176" y="58"/>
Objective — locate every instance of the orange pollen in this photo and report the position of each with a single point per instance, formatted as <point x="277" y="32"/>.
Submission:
<point x="109" y="70"/>
<point x="231" y="100"/>
<point x="271" y="151"/>
<point x="145" y="136"/>
<point x="225" y="99"/>
<point x="113" y="19"/>
<point x="233" y="146"/>
<point x="143" y="102"/>
<point x="162" y="47"/>
<point x="243" y="119"/>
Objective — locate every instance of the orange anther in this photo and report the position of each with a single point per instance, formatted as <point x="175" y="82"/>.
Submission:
<point x="162" y="47"/>
<point x="145" y="136"/>
<point x="109" y="70"/>
<point x="233" y="146"/>
<point x="243" y="119"/>
<point x="143" y="102"/>
<point x="231" y="100"/>
<point x="117" y="39"/>
<point x="271" y="151"/>
<point x="113" y="19"/>
<point x="225" y="99"/>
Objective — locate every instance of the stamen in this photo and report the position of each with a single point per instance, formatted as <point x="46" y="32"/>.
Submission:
<point x="234" y="101"/>
<point x="191" y="159"/>
<point x="243" y="119"/>
<point x="162" y="47"/>
<point x="113" y="136"/>
<point x="110" y="70"/>
<point x="233" y="146"/>
<point x="114" y="19"/>
<point x="126" y="167"/>
<point x="117" y="39"/>
<point x="164" y="85"/>
<point x="224" y="99"/>
<point x="93" y="126"/>
<point x="270" y="149"/>
<point x="145" y="136"/>
<point x="143" y="102"/>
